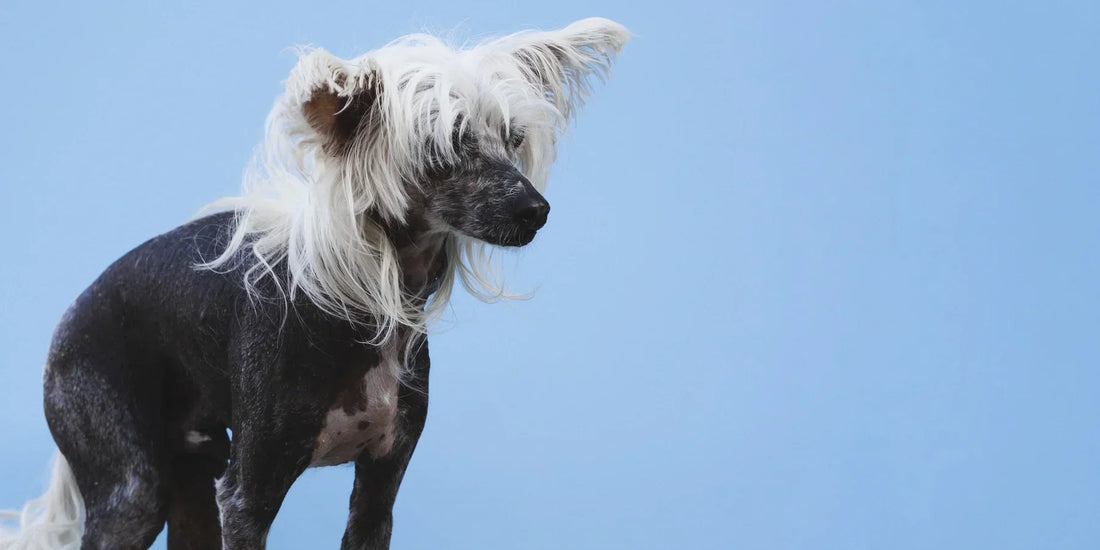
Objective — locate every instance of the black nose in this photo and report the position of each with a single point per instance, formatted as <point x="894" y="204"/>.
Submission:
<point x="532" y="214"/>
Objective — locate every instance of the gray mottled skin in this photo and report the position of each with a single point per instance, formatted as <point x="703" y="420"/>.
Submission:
<point x="157" y="359"/>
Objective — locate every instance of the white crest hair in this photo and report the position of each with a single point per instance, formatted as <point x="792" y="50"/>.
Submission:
<point x="308" y="207"/>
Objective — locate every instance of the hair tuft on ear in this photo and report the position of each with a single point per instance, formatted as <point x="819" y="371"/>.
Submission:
<point x="337" y="118"/>
<point x="335" y="97"/>
<point x="562" y="62"/>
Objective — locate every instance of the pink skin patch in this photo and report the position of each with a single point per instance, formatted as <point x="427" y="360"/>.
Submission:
<point x="369" y="425"/>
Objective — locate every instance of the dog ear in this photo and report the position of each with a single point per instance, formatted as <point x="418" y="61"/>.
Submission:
<point x="561" y="61"/>
<point x="338" y="113"/>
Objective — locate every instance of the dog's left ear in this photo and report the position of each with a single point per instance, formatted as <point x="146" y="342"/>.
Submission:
<point x="562" y="61"/>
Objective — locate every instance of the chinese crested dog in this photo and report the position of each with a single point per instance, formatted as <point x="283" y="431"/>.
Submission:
<point x="293" y="319"/>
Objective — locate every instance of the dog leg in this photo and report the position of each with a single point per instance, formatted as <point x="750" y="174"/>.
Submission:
<point x="270" y="448"/>
<point x="193" y="522"/>
<point x="105" y="423"/>
<point x="251" y="493"/>
<point x="370" y="520"/>
<point x="264" y="464"/>
<point x="122" y="515"/>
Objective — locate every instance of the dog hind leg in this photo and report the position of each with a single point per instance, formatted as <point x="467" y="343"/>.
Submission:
<point x="193" y="522"/>
<point x="108" y="432"/>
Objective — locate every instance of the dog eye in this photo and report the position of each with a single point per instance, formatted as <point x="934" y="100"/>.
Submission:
<point x="461" y="136"/>
<point x="517" y="137"/>
<point x="438" y="167"/>
<point x="466" y="143"/>
<point x="463" y="142"/>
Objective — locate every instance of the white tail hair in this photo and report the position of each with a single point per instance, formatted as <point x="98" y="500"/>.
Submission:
<point x="53" y="521"/>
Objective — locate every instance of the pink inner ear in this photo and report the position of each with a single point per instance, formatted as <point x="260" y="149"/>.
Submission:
<point x="338" y="118"/>
<point x="320" y="111"/>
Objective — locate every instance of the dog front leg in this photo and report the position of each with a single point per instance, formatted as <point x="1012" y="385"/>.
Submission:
<point x="270" y="448"/>
<point x="252" y="490"/>
<point x="370" y="520"/>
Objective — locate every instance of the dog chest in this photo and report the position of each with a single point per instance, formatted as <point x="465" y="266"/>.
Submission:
<point x="363" y="418"/>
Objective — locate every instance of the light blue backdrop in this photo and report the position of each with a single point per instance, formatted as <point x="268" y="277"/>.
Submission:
<point x="818" y="275"/>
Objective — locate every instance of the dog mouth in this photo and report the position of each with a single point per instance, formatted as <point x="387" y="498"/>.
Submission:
<point x="507" y="234"/>
<point x="512" y="236"/>
<point x="516" y="237"/>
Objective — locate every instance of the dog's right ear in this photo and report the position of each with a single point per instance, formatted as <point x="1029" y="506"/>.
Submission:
<point x="338" y="101"/>
<point x="338" y="118"/>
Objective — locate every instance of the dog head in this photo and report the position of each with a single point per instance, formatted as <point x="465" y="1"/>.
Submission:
<point x="461" y="139"/>
<point x="415" y="147"/>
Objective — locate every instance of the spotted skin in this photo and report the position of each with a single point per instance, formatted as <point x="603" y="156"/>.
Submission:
<point x="365" y="418"/>
<point x="156" y="361"/>
<point x="481" y="194"/>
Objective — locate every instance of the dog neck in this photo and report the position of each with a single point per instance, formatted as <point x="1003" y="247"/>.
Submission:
<point x="422" y="256"/>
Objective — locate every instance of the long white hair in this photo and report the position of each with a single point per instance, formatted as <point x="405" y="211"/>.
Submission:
<point x="322" y="212"/>
<point x="53" y="521"/>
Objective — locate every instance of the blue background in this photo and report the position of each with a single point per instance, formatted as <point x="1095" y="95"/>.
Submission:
<point x="818" y="275"/>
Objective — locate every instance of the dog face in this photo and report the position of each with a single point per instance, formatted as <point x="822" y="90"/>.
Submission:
<point x="471" y="184"/>
<point x="480" y="192"/>
<point x="461" y="138"/>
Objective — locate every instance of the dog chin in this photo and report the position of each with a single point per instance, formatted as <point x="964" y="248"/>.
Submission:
<point x="512" y="237"/>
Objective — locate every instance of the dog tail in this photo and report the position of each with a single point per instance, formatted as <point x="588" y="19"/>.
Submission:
<point x="53" y="521"/>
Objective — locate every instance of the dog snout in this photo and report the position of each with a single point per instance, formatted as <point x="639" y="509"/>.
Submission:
<point x="529" y="208"/>
<point x="531" y="212"/>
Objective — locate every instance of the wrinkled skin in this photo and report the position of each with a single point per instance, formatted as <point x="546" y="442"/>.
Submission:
<point x="483" y="195"/>
<point x="178" y="396"/>
<point x="157" y="360"/>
